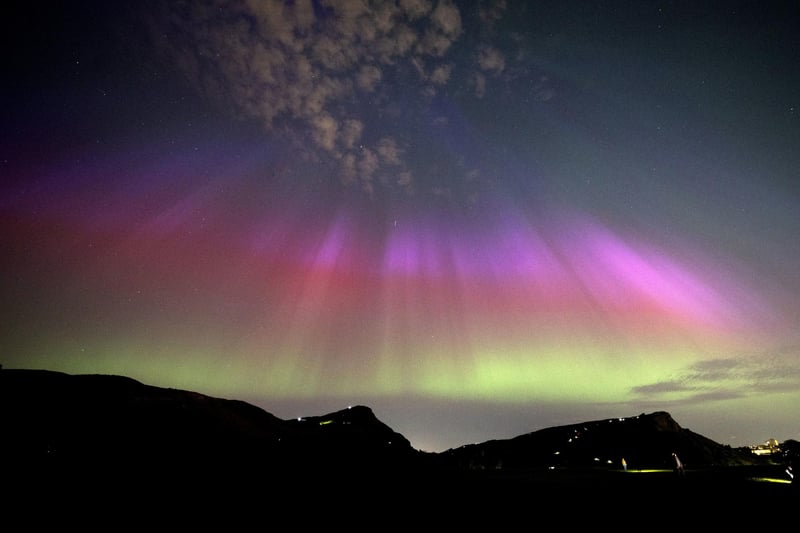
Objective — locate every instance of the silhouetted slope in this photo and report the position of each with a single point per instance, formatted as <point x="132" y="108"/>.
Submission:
<point x="101" y="421"/>
<point x="346" y="439"/>
<point x="644" y="441"/>
<point x="100" y="418"/>
<point x="91" y="438"/>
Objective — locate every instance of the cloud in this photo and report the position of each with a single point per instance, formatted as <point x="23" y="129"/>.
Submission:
<point x="444" y="30"/>
<point x="479" y="82"/>
<point x="389" y="151"/>
<point x="714" y="395"/>
<point x="325" y="75"/>
<point x="491" y="60"/>
<point x="416" y="9"/>
<point x="350" y="134"/>
<point x="660" y="388"/>
<point x="713" y="370"/>
<point x="368" y="77"/>
<point x="726" y="378"/>
<point x="441" y="74"/>
<point x="325" y="131"/>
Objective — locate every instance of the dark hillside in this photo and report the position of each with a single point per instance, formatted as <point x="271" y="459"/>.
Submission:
<point x="59" y="418"/>
<point x="80" y="439"/>
<point x="644" y="441"/>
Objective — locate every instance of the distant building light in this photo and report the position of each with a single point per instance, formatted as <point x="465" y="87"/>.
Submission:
<point x="764" y="451"/>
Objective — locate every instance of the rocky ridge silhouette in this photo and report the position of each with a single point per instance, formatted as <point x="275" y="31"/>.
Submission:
<point x="91" y="436"/>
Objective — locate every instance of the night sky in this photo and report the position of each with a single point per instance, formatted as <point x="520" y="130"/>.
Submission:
<point x="478" y="218"/>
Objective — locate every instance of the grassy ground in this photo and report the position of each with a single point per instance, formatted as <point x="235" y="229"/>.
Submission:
<point x="498" y="500"/>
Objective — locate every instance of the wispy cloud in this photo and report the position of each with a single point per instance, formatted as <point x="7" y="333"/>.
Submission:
<point x="327" y="74"/>
<point x="727" y="378"/>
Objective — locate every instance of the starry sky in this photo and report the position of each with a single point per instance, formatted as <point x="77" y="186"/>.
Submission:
<point x="478" y="218"/>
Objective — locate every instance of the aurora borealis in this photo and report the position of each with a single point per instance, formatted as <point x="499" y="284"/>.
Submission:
<point x="479" y="219"/>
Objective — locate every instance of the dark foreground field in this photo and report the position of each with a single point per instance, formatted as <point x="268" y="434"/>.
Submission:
<point x="748" y="484"/>
<point x="110" y="453"/>
<point x="405" y="500"/>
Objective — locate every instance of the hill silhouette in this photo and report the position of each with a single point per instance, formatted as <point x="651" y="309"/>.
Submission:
<point x="92" y="436"/>
<point x="643" y="441"/>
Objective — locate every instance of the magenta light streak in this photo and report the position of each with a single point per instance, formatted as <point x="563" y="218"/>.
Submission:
<point x="575" y="262"/>
<point x="622" y="275"/>
<point x="336" y="247"/>
<point x="507" y="264"/>
<point x="417" y="250"/>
